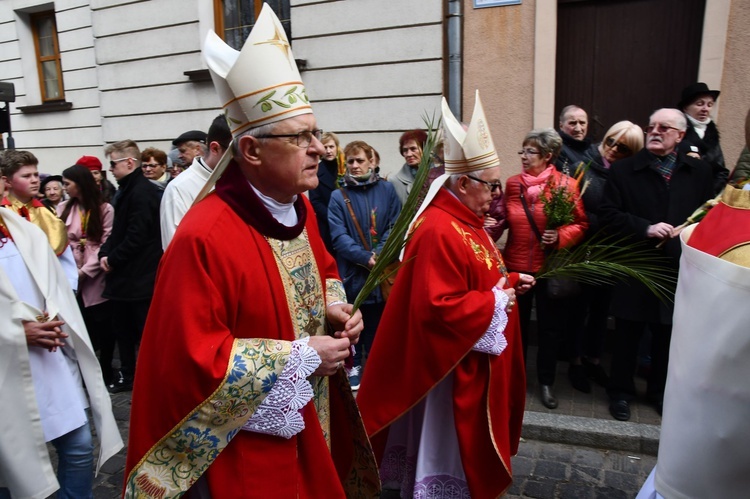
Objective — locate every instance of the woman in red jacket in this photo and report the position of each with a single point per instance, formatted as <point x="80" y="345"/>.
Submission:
<point x="528" y="245"/>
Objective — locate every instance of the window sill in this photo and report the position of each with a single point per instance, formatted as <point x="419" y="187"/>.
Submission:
<point x="47" y="107"/>
<point x="198" y="75"/>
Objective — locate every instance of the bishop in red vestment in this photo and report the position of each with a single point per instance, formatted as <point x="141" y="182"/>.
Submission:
<point x="239" y="388"/>
<point x="443" y="395"/>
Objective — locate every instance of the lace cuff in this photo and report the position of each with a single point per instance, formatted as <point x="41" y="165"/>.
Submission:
<point x="493" y="341"/>
<point x="279" y="413"/>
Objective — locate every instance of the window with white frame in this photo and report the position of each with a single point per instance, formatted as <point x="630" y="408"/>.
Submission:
<point x="235" y="18"/>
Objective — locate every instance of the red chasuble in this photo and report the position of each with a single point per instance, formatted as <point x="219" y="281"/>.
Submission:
<point x="440" y="306"/>
<point x="218" y="334"/>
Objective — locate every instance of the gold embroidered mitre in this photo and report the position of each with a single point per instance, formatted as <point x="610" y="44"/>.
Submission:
<point x="471" y="149"/>
<point x="465" y="150"/>
<point x="261" y="83"/>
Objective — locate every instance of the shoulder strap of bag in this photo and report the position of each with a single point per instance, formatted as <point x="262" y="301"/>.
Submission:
<point x="528" y="214"/>
<point x="348" y="203"/>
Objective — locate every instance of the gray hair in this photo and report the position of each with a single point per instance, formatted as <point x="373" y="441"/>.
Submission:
<point x="256" y="132"/>
<point x="546" y="139"/>
<point x="568" y="109"/>
<point x="680" y="121"/>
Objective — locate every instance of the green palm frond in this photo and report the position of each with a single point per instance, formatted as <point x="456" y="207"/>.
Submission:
<point x="397" y="238"/>
<point x="608" y="259"/>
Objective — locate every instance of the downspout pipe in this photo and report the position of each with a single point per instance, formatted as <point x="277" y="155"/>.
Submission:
<point x="455" y="57"/>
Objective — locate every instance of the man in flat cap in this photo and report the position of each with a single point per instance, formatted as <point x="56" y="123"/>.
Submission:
<point x="182" y="191"/>
<point x="239" y="391"/>
<point x="191" y="145"/>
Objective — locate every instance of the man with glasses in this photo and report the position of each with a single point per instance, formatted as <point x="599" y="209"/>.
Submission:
<point x="240" y="383"/>
<point x="130" y="255"/>
<point x="443" y="394"/>
<point x="645" y="197"/>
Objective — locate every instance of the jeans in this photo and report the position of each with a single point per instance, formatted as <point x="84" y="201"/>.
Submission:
<point x="75" y="468"/>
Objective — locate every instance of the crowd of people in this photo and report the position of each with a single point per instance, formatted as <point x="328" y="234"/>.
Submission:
<point x="240" y="304"/>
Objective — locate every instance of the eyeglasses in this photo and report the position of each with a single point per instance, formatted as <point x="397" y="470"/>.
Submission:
<point x="150" y="165"/>
<point x="490" y="185"/>
<point x="112" y="162"/>
<point x="660" y="128"/>
<point x="528" y="152"/>
<point x="359" y="161"/>
<point x="612" y="144"/>
<point x="304" y="138"/>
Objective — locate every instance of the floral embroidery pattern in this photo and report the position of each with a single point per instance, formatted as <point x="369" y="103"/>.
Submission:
<point x="180" y="458"/>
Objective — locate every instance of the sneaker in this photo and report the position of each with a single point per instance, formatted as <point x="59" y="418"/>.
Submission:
<point x="354" y="375"/>
<point x="120" y="384"/>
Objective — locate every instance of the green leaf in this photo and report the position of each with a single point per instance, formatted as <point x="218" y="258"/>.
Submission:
<point x="397" y="238"/>
<point x="291" y="90"/>
<point x="265" y="97"/>
<point x="282" y="104"/>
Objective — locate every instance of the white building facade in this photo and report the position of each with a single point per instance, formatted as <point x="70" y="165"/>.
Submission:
<point x="132" y="69"/>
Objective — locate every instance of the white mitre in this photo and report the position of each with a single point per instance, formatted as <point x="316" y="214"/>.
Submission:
<point x="465" y="150"/>
<point x="261" y="83"/>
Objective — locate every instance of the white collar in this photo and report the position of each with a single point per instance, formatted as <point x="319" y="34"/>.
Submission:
<point x="284" y="213"/>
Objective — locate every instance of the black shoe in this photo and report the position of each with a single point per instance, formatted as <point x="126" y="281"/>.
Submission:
<point x="578" y="378"/>
<point x="121" y="384"/>
<point x="620" y="410"/>
<point x="596" y="373"/>
<point x="548" y="397"/>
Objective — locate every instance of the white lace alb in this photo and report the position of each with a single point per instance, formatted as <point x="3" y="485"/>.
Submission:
<point x="279" y="413"/>
<point x="493" y="341"/>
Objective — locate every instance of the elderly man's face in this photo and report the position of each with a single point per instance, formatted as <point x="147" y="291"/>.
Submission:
<point x="287" y="169"/>
<point x="478" y="195"/>
<point x="575" y="124"/>
<point x="662" y="136"/>
<point x="188" y="152"/>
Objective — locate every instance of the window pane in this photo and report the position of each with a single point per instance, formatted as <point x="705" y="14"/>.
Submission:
<point x="239" y="18"/>
<point x="46" y="42"/>
<point x="51" y="83"/>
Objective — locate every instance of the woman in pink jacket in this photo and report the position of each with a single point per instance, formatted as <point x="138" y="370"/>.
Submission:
<point x="89" y="222"/>
<point x="529" y="241"/>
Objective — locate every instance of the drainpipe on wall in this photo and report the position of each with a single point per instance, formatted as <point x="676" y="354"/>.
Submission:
<point x="455" y="57"/>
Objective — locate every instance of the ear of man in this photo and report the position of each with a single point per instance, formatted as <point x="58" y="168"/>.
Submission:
<point x="250" y="150"/>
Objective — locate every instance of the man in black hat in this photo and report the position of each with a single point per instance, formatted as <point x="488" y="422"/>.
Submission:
<point x="701" y="136"/>
<point x="191" y="144"/>
<point x="181" y="192"/>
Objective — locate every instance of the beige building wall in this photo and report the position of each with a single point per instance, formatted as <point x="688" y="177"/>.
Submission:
<point x="734" y="100"/>
<point x="499" y="61"/>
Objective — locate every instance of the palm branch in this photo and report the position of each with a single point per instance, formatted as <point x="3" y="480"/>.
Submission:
<point x="398" y="236"/>
<point x="609" y="259"/>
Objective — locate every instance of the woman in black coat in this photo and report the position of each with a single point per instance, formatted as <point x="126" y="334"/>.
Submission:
<point x="701" y="138"/>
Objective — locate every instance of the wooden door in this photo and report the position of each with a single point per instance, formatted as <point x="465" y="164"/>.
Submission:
<point x="623" y="59"/>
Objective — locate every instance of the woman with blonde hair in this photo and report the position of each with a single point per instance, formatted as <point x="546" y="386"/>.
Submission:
<point x="588" y="315"/>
